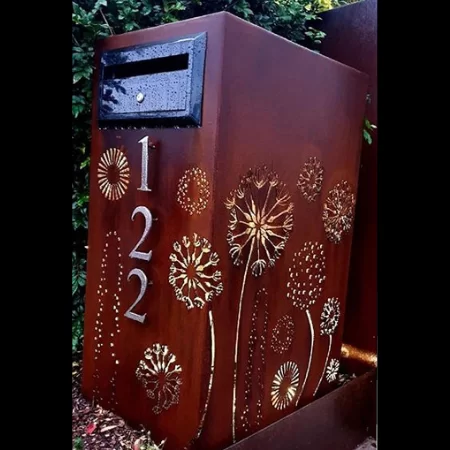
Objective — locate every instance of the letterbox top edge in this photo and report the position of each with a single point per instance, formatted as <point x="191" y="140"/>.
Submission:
<point x="193" y="37"/>
<point x="299" y="46"/>
<point x="109" y="41"/>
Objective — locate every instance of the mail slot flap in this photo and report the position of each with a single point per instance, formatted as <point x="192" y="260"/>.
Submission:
<point x="159" y="83"/>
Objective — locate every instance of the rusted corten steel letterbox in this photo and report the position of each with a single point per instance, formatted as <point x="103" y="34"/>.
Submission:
<point x="224" y="173"/>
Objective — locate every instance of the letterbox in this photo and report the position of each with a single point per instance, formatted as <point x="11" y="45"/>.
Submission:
<point x="224" y="171"/>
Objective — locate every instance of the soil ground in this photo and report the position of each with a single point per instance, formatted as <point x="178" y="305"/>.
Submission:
<point x="94" y="428"/>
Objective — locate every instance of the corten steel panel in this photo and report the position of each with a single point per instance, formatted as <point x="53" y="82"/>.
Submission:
<point x="352" y="39"/>
<point x="338" y="421"/>
<point x="269" y="105"/>
<point x="186" y="333"/>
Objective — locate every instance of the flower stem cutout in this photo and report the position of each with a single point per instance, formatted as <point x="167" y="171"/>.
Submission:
<point x="196" y="281"/>
<point x="305" y="285"/>
<point x="260" y="223"/>
<point x="160" y="376"/>
<point x="329" y="320"/>
<point x="112" y="248"/>
<point x="257" y="348"/>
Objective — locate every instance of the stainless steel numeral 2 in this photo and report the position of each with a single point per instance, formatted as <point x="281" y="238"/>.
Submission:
<point x="148" y="225"/>
<point x="144" y="283"/>
<point x="135" y="253"/>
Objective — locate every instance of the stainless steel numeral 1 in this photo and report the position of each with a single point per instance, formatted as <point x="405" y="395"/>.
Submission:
<point x="144" y="165"/>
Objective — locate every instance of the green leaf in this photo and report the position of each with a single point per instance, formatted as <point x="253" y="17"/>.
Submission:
<point x="367" y="137"/>
<point x="82" y="200"/>
<point x="85" y="163"/>
<point x="76" y="110"/>
<point x="77" y="77"/>
<point x="131" y="26"/>
<point x="78" y="99"/>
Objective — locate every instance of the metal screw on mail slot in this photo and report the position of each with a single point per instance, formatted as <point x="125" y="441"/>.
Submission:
<point x="140" y="97"/>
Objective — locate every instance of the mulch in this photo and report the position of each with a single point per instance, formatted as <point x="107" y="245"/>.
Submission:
<point x="95" y="428"/>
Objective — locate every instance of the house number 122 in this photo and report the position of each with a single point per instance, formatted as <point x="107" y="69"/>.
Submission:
<point x="136" y="253"/>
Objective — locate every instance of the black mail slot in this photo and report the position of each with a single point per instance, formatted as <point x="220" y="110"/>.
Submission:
<point x="157" y="84"/>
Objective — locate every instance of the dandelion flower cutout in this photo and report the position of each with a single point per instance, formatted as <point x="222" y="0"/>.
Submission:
<point x="310" y="179"/>
<point x="305" y="285"/>
<point x="332" y="370"/>
<point x="259" y="226"/>
<point x="193" y="273"/>
<point x="282" y="334"/>
<point x="338" y="212"/>
<point x="193" y="191"/>
<point x="261" y="219"/>
<point x="284" y="385"/>
<point x="329" y="318"/>
<point x="160" y="376"/>
<point x="113" y="174"/>
<point x="306" y="275"/>
<point x="196" y="281"/>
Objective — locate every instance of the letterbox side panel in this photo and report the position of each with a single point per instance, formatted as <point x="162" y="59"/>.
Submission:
<point x="352" y="39"/>
<point x="176" y="197"/>
<point x="295" y="118"/>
